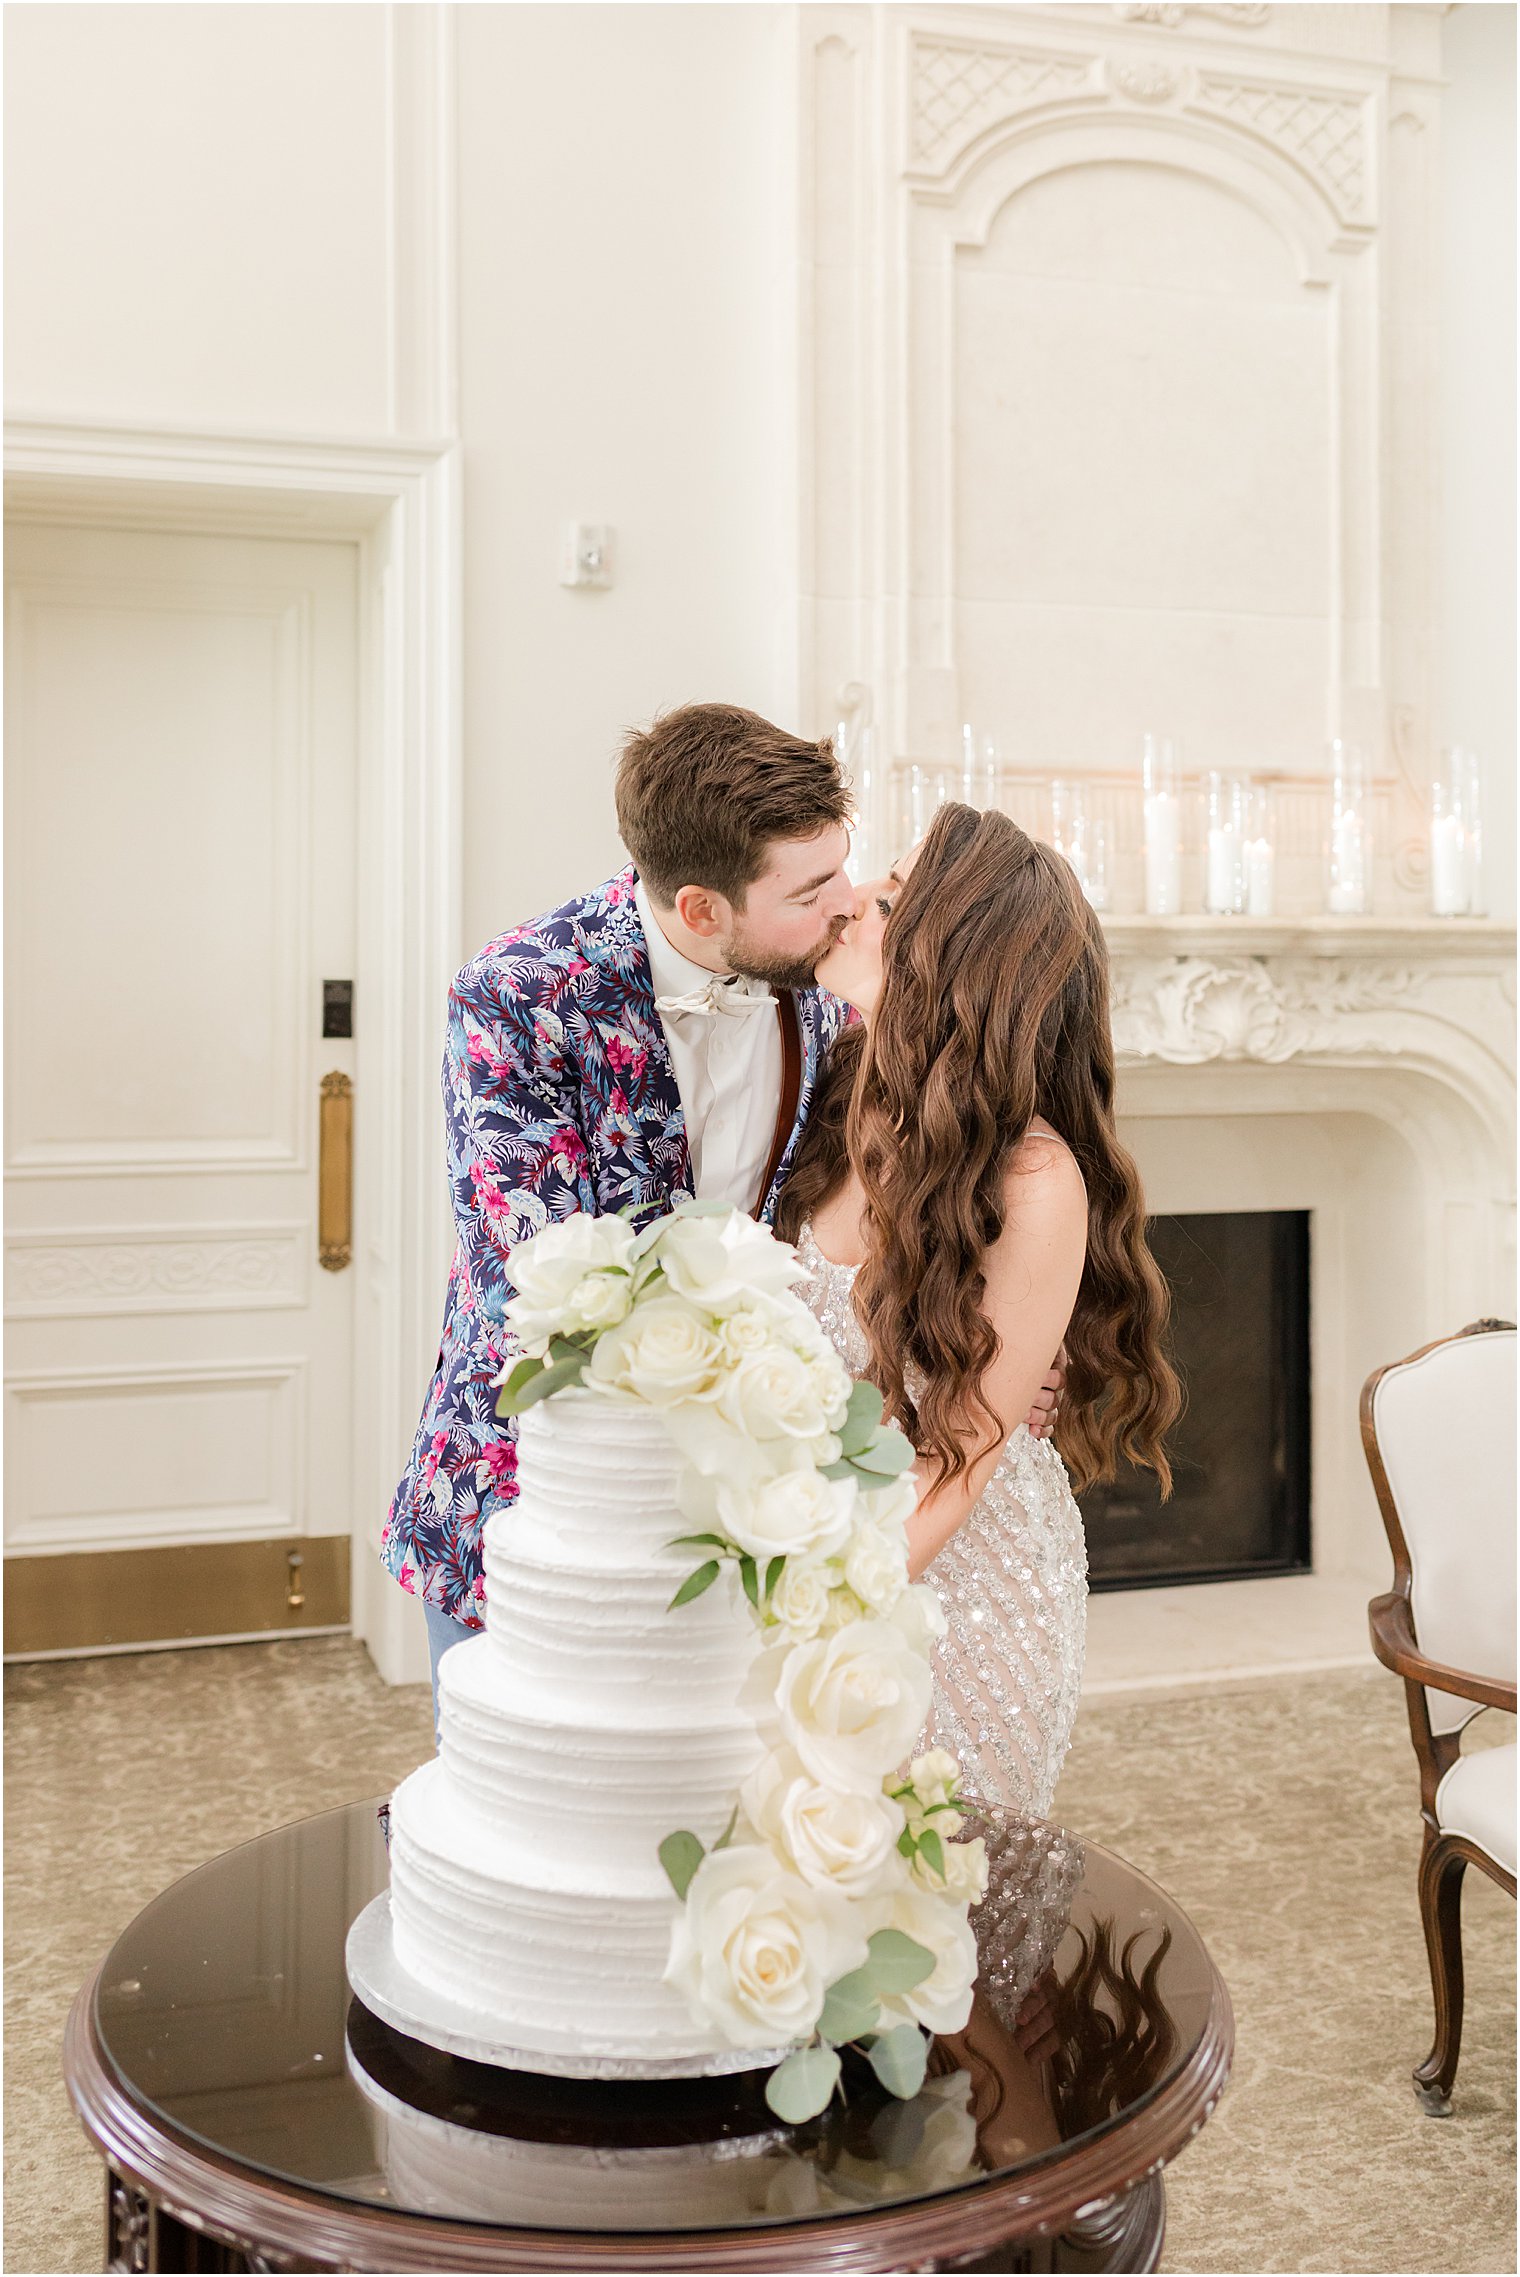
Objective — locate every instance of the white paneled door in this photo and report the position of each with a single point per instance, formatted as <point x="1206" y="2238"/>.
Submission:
<point x="180" y="868"/>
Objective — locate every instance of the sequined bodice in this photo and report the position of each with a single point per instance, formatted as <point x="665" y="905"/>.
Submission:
<point x="1013" y="1583"/>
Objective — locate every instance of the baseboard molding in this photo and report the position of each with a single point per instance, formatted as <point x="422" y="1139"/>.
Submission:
<point x="191" y="1593"/>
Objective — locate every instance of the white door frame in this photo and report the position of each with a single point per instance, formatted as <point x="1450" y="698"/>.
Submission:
<point x="399" y="503"/>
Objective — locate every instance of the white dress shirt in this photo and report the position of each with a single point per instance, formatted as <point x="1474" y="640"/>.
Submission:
<point x="725" y="1048"/>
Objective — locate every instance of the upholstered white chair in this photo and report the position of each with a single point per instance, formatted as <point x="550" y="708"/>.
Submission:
<point x="1439" y="1434"/>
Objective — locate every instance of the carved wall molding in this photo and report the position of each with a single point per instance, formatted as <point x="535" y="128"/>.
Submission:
<point x="960" y="87"/>
<point x="1171" y="14"/>
<point x="73" y="1275"/>
<point x="1144" y="82"/>
<point x="1188" y="1010"/>
<point x="1326" y="132"/>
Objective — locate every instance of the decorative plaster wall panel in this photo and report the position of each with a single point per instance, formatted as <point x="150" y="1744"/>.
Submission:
<point x="76" y="1275"/>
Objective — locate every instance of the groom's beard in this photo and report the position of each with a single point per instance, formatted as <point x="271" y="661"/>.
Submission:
<point x="781" y="972"/>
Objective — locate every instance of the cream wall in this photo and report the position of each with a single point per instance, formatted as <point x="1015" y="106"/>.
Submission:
<point x="223" y="216"/>
<point x="1478" y="410"/>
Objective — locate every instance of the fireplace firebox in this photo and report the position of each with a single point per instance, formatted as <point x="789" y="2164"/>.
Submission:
<point x="1240" y="1454"/>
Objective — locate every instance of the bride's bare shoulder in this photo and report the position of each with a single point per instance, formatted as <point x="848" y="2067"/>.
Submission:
<point x="1044" y="1175"/>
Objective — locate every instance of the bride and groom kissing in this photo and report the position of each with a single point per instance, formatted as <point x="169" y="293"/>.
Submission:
<point x="913" y="1081"/>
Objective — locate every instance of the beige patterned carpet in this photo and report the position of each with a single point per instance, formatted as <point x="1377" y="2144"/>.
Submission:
<point x="1282" y="1816"/>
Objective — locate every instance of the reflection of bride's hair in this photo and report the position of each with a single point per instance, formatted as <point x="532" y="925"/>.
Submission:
<point x="1115" y="2035"/>
<point x="994" y="1009"/>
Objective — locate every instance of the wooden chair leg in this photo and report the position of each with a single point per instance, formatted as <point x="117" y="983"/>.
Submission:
<point x="1441" y="1872"/>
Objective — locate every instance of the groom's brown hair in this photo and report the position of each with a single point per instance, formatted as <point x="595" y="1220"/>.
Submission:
<point x="702" y="792"/>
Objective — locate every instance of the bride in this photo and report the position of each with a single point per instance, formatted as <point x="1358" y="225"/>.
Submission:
<point x="965" y="1206"/>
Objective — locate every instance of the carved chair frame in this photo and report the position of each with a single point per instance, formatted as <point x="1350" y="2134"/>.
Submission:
<point x="1444" y="1858"/>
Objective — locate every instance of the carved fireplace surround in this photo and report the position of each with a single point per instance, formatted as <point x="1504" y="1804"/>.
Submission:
<point x="1363" y="1070"/>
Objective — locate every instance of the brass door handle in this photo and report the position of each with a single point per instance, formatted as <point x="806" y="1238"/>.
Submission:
<point x="335" y="1174"/>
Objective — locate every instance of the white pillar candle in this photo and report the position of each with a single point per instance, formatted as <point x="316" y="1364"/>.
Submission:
<point x="1223" y="890"/>
<point x="1448" y="867"/>
<point x="1163" y="854"/>
<point x="1260" y="865"/>
<point x="1349" y="890"/>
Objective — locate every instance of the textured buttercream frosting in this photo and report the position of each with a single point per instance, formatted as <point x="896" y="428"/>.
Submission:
<point x="586" y="1724"/>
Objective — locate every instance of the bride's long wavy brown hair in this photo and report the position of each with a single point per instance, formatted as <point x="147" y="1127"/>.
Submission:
<point x="993" y="1009"/>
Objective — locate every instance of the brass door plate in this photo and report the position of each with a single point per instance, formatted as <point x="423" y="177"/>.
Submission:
<point x="100" y="1600"/>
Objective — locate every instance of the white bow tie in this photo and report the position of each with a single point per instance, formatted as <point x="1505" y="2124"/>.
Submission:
<point x="736" y="996"/>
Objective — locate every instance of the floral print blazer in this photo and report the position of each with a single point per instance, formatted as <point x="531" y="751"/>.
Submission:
<point x="560" y="1096"/>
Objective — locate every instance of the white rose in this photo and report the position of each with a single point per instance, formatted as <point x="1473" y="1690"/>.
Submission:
<point x="835" y="1841"/>
<point x="755" y="1947"/>
<point x="662" y="1353"/>
<point x="918" y="1615"/>
<point x="943" y="2001"/>
<point x="933" y="1774"/>
<point x="743" y="1333"/>
<point x="800" y="1599"/>
<point x="876" y="1568"/>
<point x="831" y="1382"/>
<point x="548" y="1272"/>
<point x="966" y="1870"/>
<point x="794" y="1515"/>
<point x="721" y="1264"/>
<point x="890" y="1507"/>
<point x="772" y="1395"/>
<point x="852" y="1704"/>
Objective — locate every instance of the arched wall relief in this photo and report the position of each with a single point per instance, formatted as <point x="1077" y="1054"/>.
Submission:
<point x="926" y="132"/>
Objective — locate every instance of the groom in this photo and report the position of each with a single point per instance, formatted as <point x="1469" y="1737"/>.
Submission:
<point x="655" y="1040"/>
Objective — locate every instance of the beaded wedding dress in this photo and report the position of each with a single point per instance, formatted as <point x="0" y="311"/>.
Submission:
<point x="1013" y="1583"/>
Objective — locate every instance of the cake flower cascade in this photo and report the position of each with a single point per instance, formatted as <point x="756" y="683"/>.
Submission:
<point x="832" y="1908"/>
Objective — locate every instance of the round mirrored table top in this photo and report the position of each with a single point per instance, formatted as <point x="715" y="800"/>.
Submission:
<point x="224" y="2011"/>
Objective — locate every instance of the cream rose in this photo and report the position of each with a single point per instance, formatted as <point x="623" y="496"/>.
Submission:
<point x="571" y="1276"/>
<point x="801" y="1513"/>
<point x="773" y="1395"/>
<point x="722" y="1264"/>
<point x="755" y="1947"/>
<point x="942" y="2002"/>
<point x="662" y="1354"/>
<point x="876" y="1567"/>
<point x="890" y="1507"/>
<point x="852" y="1704"/>
<point x="919" y="1617"/>
<point x="835" y="1841"/>
<point x="800" y="1599"/>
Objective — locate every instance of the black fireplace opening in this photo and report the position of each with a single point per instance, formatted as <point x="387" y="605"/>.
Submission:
<point x="1239" y="1340"/>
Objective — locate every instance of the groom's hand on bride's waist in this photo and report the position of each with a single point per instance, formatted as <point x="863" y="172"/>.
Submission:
<point x="1047" y="1400"/>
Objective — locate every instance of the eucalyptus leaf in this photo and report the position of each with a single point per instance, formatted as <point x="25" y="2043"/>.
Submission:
<point x="700" y="1542"/>
<point x="888" y="1455"/>
<point x="862" y="1418"/>
<point x="842" y="2019"/>
<point x="800" y="2088"/>
<point x="899" y="2059"/>
<point x="932" y="1851"/>
<point x="680" y="1855"/>
<point x="695" y="1583"/>
<point x="727" y="1836"/>
<point x="544" y="1385"/>
<point x="566" y="1348"/>
<point x="702" y="1210"/>
<point x="844" y="1468"/>
<point x="751" y="1580"/>
<point x="511" y="1390"/>
<point x="898" y="1962"/>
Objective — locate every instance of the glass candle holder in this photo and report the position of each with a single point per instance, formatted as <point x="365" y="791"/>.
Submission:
<point x="1224" y="879"/>
<point x="867" y="852"/>
<point x="1081" y="836"/>
<point x="1348" y="844"/>
<point x="1163" y="826"/>
<point x="1260" y="852"/>
<point x="1456" y="836"/>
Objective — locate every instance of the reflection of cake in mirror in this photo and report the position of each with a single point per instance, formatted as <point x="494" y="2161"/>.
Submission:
<point x="470" y="2142"/>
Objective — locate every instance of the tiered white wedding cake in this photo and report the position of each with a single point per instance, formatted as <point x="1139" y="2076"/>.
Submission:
<point x="573" y="1736"/>
<point x="672" y="1827"/>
